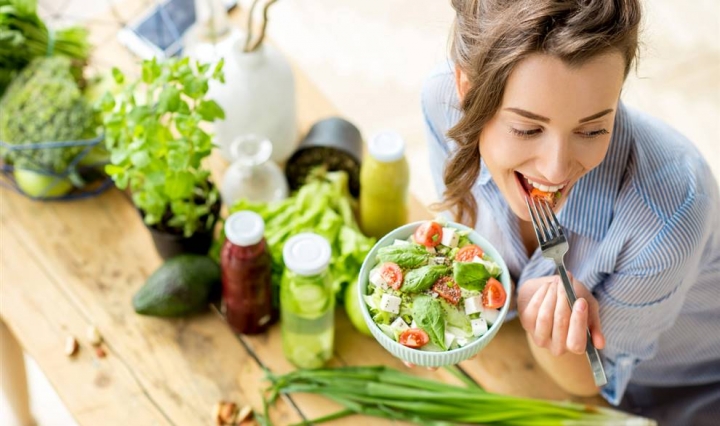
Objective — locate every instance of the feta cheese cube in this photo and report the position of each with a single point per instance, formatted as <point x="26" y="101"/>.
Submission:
<point x="390" y="303"/>
<point x="449" y="339"/>
<point x="477" y="260"/>
<point x="479" y="326"/>
<point x="491" y="315"/>
<point x="377" y="279"/>
<point x="413" y="324"/>
<point x="431" y="250"/>
<point x="462" y="341"/>
<point x="473" y="305"/>
<point x="450" y="237"/>
<point x="400" y="243"/>
<point x="399" y="324"/>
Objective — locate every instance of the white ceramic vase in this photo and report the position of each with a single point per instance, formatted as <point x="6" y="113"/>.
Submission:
<point x="258" y="98"/>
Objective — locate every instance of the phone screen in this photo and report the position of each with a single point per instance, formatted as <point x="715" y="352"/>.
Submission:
<point x="160" y="32"/>
<point x="168" y="24"/>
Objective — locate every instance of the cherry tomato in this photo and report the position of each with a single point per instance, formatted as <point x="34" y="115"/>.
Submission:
<point x="446" y="288"/>
<point x="414" y="338"/>
<point x="391" y="274"/>
<point x="550" y="197"/>
<point x="428" y="234"/>
<point x="493" y="294"/>
<point x="468" y="253"/>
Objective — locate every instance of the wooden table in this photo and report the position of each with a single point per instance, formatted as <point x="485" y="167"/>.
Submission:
<point x="65" y="266"/>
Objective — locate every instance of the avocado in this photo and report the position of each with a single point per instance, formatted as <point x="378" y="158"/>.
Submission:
<point x="182" y="285"/>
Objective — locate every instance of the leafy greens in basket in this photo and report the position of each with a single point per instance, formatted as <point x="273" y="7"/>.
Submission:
<point x="435" y="291"/>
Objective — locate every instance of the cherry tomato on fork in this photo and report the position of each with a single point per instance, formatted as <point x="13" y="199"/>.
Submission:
<point x="428" y="234"/>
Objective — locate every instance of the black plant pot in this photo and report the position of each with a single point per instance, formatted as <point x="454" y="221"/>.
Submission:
<point x="170" y="244"/>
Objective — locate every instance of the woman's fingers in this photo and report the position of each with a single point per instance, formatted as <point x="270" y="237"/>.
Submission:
<point x="528" y="316"/>
<point x="561" y="323"/>
<point x="544" y="321"/>
<point x="577" y="332"/>
<point x="598" y="337"/>
<point x="411" y="365"/>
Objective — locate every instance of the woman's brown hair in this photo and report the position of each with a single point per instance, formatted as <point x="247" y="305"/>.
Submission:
<point x="490" y="37"/>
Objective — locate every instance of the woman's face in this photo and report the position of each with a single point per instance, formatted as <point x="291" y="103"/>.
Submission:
<point x="553" y="127"/>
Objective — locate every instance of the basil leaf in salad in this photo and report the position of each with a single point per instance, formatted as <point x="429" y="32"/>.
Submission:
<point x="421" y="279"/>
<point x="404" y="255"/>
<point x="470" y="275"/>
<point x="429" y="316"/>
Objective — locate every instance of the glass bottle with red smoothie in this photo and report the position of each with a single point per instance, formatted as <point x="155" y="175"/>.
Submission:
<point x="245" y="263"/>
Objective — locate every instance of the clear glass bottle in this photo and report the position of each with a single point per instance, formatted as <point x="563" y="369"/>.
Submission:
<point x="307" y="301"/>
<point x="384" y="181"/>
<point x="252" y="175"/>
<point x="246" y="270"/>
<point x="212" y="37"/>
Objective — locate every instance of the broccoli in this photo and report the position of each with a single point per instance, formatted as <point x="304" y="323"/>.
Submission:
<point x="44" y="104"/>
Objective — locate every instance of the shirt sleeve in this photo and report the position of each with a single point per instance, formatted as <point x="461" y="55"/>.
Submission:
<point x="643" y="298"/>
<point x="438" y="96"/>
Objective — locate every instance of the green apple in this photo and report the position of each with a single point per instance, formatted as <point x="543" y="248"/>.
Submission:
<point x="353" y="309"/>
<point x="37" y="184"/>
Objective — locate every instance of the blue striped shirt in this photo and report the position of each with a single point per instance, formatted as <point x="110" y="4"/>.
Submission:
<point x="644" y="234"/>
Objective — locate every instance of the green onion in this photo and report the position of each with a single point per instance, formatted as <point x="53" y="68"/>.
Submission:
<point x="386" y="393"/>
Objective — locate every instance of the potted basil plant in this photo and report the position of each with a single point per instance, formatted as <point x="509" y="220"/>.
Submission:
<point x="154" y="133"/>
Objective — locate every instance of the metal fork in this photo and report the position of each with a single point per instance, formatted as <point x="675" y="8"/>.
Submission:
<point x="554" y="245"/>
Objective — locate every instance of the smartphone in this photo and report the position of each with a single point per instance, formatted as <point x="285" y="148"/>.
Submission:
<point x="159" y="32"/>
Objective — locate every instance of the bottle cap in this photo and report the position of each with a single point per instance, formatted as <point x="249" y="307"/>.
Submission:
<point x="387" y="146"/>
<point x="244" y="228"/>
<point x="306" y="254"/>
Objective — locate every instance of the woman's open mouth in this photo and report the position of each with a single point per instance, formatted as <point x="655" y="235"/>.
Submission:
<point x="530" y="188"/>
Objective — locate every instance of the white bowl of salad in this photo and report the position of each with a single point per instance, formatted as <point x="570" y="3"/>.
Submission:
<point x="434" y="293"/>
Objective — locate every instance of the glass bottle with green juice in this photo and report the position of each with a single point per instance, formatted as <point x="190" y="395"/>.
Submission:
<point x="307" y="301"/>
<point x="384" y="180"/>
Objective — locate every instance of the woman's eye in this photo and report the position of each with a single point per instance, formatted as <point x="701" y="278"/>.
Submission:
<point x="593" y="134"/>
<point x="525" y="133"/>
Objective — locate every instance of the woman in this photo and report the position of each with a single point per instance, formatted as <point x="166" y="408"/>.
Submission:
<point x="532" y="100"/>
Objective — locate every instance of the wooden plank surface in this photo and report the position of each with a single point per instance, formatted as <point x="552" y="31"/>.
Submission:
<point x="97" y="253"/>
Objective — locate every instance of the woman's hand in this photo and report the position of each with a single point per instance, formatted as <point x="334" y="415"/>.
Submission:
<point x="546" y="315"/>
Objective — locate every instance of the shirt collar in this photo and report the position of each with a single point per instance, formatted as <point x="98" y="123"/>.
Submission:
<point x="589" y="209"/>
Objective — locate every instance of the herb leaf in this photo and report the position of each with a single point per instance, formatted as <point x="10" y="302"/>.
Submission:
<point x="421" y="279"/>
<point x="470" y="275"/>
<point x="428" y="315"/>
<point x="406" y="256"/>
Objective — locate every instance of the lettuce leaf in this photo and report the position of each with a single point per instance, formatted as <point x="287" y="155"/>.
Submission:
<point x="455" y="318"/>
<point x="324" y="206"/>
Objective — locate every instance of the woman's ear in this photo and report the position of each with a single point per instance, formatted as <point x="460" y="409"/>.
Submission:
<point x="462" y="84"/>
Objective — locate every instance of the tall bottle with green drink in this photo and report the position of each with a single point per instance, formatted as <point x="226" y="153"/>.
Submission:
<point x="384" y="181"/>
<point x="307" y="301"/>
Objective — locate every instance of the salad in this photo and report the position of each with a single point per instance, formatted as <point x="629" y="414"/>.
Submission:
<point x="435" y="291"/>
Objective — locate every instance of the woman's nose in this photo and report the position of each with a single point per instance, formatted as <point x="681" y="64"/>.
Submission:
<point x="556" y="160"/>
